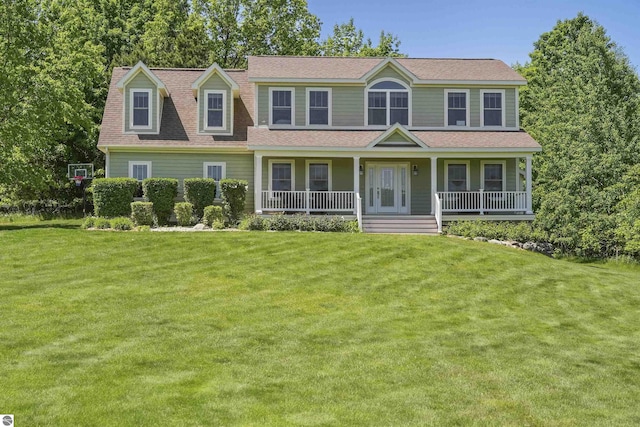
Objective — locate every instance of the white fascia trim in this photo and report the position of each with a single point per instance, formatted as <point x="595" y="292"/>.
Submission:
<point x="292" y="162"/>
<point x="384" y="128"/>
<point x="165" y="149"/>
<point x="213" y="69"/>
<point x="394" y="64"/>
<point x="363" y="152"/>
<point x="140" y="67"/>
<point x="205" y="110"/>
<point x="503" y="163"/>
<point x="133" y="128"/>
<point x="306" y="171"/>
<point x="387" y="92"/>
<point x="467" y="163"/>
<point x="397" y="128"/>
<point x="446" y="108"/>
<point x="504" y="108"/>
<point x="329" y="105"/>
<point x="363" y="82"/>
<point x="293" y="105"/>
<point x="138" y="163"/>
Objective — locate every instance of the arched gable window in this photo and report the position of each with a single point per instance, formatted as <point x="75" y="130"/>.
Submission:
<point x="388" y="103"/>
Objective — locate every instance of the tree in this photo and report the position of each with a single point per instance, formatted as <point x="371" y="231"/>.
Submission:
<point x="581" y="103"/>
<point x="348" y="40"/>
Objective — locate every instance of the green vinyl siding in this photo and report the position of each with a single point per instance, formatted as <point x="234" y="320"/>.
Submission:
<point x="421" y="187"/>
<point x="263" y="106"/>
<point x="475" y="172"/>
<point x="474" y="104"/>
<point x="388" y="72"/>
<point x="214" y="82"/>
<point x="428" y="107"/>
<point x="184" y="165"/>
<point x="141" y="81"/>
<point x="341" y="172"/>
<point x="348" y="106"/>
<point x="510" y="107"/>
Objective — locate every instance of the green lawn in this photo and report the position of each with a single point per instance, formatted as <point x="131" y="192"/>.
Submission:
<point x="149" y="329"/>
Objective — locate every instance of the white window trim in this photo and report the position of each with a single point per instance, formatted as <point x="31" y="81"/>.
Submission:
<point x="330" y="171"/>
<point x="205" y="109"/>
<point x="293" y="105"/>
<point x="446" y="108"/>
<point x="150" y="115"/>
<point x="329" y="104"/>
<point x="367" y="89"/>
<point x="467" y="163"/>
<point x="504" y="107"/>
<point x="223" y="165"/>
<point x="494" y="162"/>
<point x="293" y="171"/>
<point x="140" y="163"/>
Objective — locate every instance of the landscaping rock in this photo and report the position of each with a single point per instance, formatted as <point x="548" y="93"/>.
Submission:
<point x="198" y="227"/>
<point x="480" y="239"/>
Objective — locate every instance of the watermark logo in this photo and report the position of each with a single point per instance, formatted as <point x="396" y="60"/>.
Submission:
<point x="7" y="420"/>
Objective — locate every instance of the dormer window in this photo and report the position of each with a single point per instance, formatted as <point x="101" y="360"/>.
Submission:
<point x="215" y="114"/>
<point x="282" y="105"/>
<point x="456" y="107"/>
<point x="388" y="103"/>
<point x="141" y="108"/>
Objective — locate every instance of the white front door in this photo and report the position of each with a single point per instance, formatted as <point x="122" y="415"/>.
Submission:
<point x="387" y="188"/>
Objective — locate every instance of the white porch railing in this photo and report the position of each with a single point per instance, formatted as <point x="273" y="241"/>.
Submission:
<point x="483" y="201"/>
<point x="309" y="201"/>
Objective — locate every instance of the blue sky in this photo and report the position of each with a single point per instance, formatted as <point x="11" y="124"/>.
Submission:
<point x="499" y="29"/>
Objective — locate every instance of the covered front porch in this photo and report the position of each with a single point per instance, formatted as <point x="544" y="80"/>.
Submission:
<point x="445" y="187"/>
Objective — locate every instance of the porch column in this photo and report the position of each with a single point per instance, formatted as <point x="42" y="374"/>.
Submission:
<point x="356" y="182"/>
<point x="529" y="187"/>
<point x="257" y="183"/>
<point x="434" y="183"/>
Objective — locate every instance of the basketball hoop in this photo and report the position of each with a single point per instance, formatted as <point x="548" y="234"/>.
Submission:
<point x="78" y="180"/>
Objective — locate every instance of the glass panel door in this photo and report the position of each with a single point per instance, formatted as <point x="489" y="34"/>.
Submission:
<point x="387" y="189"/>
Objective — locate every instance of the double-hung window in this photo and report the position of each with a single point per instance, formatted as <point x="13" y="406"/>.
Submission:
<point x="282" y="106"/>
<point x="281" y="175"/>
<point x="456" y="107"/>
<point x="493" y="176"/>
<point x="457" y="176"/>
<point x="492" y="108"/>
<point x="140" y="117"/>
<point x="318" y="106"/>
<point x="215" y="109"/>
<point x="319" y="175"/>
<point x="387" y="104"/>
<point x="217" y="171"/>
<point x="139" y="170"/>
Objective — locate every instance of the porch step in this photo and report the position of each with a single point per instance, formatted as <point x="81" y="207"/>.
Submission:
<point x="407" y="224"/>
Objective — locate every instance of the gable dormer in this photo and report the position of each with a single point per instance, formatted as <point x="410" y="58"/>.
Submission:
<point x="215" y="92"/>
<point x="143" y="94"/>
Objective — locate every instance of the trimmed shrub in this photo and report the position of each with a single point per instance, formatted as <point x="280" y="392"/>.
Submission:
<point x="142" y="213"/>
<point x="89" y="222"/>
<point x="122" y="223"/>
<point x="234" y="194"/>
<point x="501" y="230"/>
<point x="113" y="196"/>
<point x="212" y="214"/>
<point x="253" y="222"/>
<point x="218" y="225"/>
<point x="200" y="192"/>
<point x="102" y="223"/>
<point x="184" y="214"/>
<point x="162" y="193"/>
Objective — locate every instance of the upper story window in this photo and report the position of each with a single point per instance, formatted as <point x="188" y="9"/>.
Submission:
<point x="388" y="103"/>
<point x="492" y="108"/>
<point x="318" y="106"/>
<point x="282" y="106"/>
<point x="140" y="108"/>
<point x="215" y="111"/>
<point x="456" y="107"/>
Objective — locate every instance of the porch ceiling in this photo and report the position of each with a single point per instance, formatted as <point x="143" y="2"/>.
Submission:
<point x="265" y="138"/>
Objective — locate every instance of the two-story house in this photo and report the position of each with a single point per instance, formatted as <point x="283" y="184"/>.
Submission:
<point x="372" y="137"/>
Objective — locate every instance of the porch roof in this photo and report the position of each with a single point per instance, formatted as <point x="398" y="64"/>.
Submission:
<point x="264" y="138"/>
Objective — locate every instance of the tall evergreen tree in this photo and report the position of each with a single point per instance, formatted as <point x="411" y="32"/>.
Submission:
<point x="581" y="103"/>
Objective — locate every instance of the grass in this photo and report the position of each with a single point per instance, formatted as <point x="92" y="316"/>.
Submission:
<point x="146" y="329"/>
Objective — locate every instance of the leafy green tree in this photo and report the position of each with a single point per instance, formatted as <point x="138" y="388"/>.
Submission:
<point x="348" y="40"/>
<point x="581" y="104"/>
